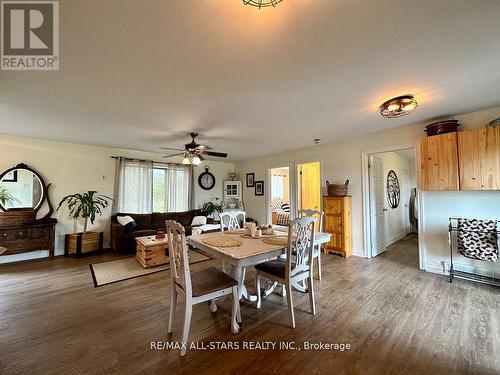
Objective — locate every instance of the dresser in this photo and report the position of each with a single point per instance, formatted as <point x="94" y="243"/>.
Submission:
<point x="29" y="237"/>
<point x="338" y="222"/>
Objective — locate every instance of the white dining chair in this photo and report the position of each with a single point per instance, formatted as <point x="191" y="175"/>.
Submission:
<point x="297" y="267"/>
<point x="229" y="220"/>
<point x="196" y="287"/>
<point x="317" y="248"/>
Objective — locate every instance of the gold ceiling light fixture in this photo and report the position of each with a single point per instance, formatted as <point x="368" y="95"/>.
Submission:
<point x="398" y="106"/>
<point x="262" y="3"/>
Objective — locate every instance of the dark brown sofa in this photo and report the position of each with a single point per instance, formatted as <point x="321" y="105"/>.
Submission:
<point x="147" y="225"/>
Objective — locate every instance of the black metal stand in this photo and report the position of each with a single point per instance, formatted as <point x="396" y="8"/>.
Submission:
<point x="461" y="274"/>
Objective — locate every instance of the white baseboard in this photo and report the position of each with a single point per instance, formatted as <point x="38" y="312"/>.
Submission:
<point x="389" y="241"/>
<point x="359" y="253"/>
<point x="435" y="267"/>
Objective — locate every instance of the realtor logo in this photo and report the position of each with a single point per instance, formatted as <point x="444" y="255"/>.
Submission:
<point x="30" y="35"/>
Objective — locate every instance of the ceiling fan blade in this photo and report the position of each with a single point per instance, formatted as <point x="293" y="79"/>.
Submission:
<point x="169" y="156"/>
<point x="201" y="147"/>
<point x="170" y="148"/>
<point x="217" y="154"/>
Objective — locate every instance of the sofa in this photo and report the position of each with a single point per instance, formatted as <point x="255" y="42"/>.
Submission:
<point x="147" y="225"/>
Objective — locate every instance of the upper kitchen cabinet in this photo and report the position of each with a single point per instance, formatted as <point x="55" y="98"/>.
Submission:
<point x="479" y="158"/>
<point x="439" y="162"/>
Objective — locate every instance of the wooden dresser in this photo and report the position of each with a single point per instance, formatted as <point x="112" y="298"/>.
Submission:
<point x="39" y="235"/>
<point x="338" y="222"/>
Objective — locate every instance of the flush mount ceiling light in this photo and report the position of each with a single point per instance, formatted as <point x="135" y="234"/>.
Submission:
<point x="398" y="106"/>
<point x="262" y="3"/>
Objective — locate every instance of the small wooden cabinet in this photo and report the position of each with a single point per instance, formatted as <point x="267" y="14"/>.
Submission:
<point x="479" y="158"/>
<point x="466" y="160"/>
<point x="439" y="162"/>
<point x="338" y="222"/>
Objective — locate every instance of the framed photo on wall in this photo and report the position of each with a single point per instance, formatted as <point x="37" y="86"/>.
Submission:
<point x="250" y="179"/>
<point x="259" y="187"/>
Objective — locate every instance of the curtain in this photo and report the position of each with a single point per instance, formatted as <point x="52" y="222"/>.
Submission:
<point x="134" y="186"/>
<point x="178" y="196"/>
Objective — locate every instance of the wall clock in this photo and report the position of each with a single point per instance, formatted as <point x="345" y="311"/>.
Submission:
<point x="393" y="189"/>
<point x="206" y="180"/>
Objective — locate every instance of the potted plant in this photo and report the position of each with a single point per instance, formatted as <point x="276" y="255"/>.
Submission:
<point x="5" y="197"/>
<point x="210" y="208"/>
<point x="86" y="206"/>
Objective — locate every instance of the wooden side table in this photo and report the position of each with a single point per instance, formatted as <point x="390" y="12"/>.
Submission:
<point x="151" y="251"/>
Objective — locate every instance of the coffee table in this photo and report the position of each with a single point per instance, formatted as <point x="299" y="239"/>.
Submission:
<point x="151" y="252"/>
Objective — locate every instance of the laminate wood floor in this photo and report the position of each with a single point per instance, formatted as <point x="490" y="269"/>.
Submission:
<point x="398" y="320"/>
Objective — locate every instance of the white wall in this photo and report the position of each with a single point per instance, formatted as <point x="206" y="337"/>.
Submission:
<point x="396" y="223"/>
<point x="77" y="168"/>
<point x="221" y="172"/>
<point x="342" y="160"/>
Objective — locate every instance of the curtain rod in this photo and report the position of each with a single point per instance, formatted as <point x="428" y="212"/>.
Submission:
<point x="152" y="161"/>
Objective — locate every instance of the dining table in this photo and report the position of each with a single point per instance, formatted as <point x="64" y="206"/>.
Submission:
<point x="250" y="252"/>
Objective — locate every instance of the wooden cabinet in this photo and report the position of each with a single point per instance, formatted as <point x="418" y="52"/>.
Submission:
<point x="439" y="162"/>
<point x="338" y="222"/>
<point x="479" y="158"/>
<point x="37" y="236"/>
<point x="467" y="160"/>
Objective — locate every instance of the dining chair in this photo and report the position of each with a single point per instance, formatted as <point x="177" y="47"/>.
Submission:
<point x="196" y="287"/>
<point x="297" y="267"/>
<point x="317" y="248"/>
<point x="232" y="220"/>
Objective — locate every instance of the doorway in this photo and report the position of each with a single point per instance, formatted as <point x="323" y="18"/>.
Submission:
<point x="279" y="208"/>
<point x="391" y="205"/>
<point x="309" y="186"/>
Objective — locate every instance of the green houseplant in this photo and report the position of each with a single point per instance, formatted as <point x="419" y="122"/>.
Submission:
<point x="210" y="208"/>
<point x="5" y="197"/>
<point x="86" y="206"/>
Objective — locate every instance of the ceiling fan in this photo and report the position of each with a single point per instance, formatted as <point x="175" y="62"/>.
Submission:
<point x="194" y="152"/>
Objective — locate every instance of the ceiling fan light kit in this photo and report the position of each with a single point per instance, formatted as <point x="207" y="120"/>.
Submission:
<point x="398" y="106"/>
<point x="262" y="3"/>
<point x="193" y="153"/>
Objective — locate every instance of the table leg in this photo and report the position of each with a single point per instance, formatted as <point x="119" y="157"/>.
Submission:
<point x="238" y="273"/>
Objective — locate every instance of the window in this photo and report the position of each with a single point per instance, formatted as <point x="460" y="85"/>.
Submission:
<point x="144" y="187"/>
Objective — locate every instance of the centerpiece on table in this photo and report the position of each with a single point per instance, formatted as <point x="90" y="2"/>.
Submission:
<point x="85" y="206"/>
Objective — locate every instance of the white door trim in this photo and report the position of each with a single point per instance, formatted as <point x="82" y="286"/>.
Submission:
<point x="365" y="181"/>
<point x="296" y="189"/>
<point x="269" y="187"/>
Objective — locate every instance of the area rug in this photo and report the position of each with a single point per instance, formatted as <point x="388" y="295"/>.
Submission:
<point x="124" y="269"/>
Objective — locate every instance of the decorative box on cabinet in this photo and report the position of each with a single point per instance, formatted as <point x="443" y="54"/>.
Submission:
<point x="338" y="222"/>
<point x="439" y="162"/>
<point x="479" y="158"/>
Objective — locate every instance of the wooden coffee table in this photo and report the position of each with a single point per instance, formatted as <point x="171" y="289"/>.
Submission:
<point x="151" y="251"/>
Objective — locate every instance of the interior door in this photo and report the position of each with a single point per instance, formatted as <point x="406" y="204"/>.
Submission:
<point x="405" y="198"/>
<point x="377" y="202"/>
<point x="309" y="186"/>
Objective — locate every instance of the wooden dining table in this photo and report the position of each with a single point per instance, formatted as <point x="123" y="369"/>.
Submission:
<point x="252" y="251"/>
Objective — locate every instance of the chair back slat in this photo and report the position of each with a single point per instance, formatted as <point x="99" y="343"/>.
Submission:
<point x="301" y="235"/>
<point x="316" y="214"/>
<point x="231" y="218"/>
<point x="178" y="253"/>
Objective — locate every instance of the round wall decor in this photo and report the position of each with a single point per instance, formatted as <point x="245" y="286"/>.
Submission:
<point x="393" y="189"/>
<point x="206" y="180"/>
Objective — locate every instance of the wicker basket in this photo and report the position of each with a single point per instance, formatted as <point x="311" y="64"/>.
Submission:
<point x="337" y="190"/>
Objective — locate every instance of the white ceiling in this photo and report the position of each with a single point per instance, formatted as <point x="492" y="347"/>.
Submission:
<point x="142" y="74"/>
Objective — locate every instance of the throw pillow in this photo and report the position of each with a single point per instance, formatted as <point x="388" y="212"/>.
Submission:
<point x="198" y="220"/>
<point x="128" y="223"/>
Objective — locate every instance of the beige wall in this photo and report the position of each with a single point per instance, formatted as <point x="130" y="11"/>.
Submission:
<point x="342" y="160"/>
<point x="76" y="168"/>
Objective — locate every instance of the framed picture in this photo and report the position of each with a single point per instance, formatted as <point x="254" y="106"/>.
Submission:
<point x="259" y="187"/>
<point x="10" y="177"/>
<point x="250" y="179"/>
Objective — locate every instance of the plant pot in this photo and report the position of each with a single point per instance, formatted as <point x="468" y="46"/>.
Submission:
<point x="83" y="243"/>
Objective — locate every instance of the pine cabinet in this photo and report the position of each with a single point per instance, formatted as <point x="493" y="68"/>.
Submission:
<point x="466" y="160"/>
<point x="439" y="162"/>
<point x="338" y="222"/>
<point x="479" y="158"/>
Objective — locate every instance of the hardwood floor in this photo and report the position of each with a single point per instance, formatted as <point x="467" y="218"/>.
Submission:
<point x="398" y="320"/>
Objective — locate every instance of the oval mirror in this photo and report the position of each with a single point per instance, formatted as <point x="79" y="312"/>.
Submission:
<point x="21" y="188"/>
